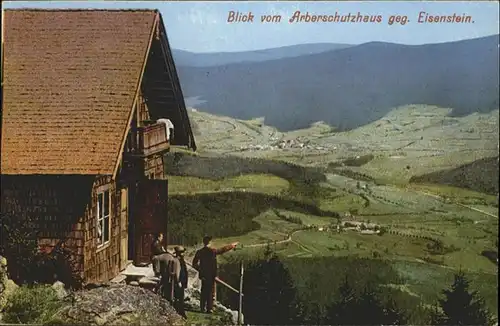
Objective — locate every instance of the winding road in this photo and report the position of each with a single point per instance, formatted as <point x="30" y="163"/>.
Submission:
<point x="458" y="204"/>
<point x="274" y="242"/>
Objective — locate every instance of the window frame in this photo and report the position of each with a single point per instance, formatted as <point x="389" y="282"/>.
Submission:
<point x="102" y="219"/>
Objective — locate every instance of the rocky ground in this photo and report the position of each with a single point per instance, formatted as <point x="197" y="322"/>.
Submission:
<point x="105" y="304"/>
<point x="129" y="299"/>
<point x="118" y="304"/>
<point x="143" y="277"/>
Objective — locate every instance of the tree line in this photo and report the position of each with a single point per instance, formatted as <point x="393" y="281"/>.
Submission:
<point x="273" y="298"/>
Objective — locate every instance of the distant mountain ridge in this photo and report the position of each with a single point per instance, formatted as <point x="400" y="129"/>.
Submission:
<point x="351" y="86"/>
<point x="186" y="58"/>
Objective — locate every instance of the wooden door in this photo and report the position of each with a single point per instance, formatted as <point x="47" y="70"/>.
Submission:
<point x="151" y="216"/>
<point x="124" y="229"/>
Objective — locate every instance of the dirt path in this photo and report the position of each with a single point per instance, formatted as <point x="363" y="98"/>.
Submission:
<point x="289" y="239"/>
<point x="477" y="210"/>
<point x="418" y="260"/>
<point x="193" y="274"/>
<point x="225" y="134"/>
<point x="457" y="204"/>
<point x="301" y="246"/>
<point x="207" y="192"/>
<point x="272" y="242"/>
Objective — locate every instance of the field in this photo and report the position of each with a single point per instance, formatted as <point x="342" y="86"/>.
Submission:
<point x="423" y="137"/>
<point x="239" y="193"/>
<point x="283" y="216"/>
<point x="267" y="184"/>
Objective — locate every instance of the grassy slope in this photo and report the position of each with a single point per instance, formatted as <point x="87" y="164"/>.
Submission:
<point x="250" y="218"/>
<point x="480" y="175"/>
<point x="424" y="138"/>
<point x="196" y="209"/>
<point x="461" y="195"/>
<point x="267" y="184"/>
<point x="403" y="208"/>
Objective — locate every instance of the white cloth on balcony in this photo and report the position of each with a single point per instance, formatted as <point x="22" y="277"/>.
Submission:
<point x="168" y="125"/>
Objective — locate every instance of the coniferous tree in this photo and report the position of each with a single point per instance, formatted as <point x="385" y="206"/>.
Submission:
<point x="270" y="297"/>
<point x="393" y="315"/>
<point x="346" y="311"/>
<point x="268" y="252"/>
<point x="460" y="306"/>
<point x="372" y="308"/>
<point x="341" y="312"/>
<point x="402" y="308"/>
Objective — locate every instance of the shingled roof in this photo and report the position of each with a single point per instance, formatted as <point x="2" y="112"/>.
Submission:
<point x="70" y="81"/>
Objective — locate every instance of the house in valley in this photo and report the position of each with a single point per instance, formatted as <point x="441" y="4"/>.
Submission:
<point x="81" y="148"/>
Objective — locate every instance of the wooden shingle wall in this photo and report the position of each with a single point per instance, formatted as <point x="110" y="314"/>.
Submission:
<point x="102" y="263"/>
<point x="56" y="207"/>
<point x="153" y="166"/>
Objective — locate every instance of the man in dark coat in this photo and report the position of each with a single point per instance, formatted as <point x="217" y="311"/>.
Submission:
<point x="158" y="253"/>
<point x="166" y="266"/>
<point x="205" y="262"/>
<point x="170" y="270"/>
<point x="183" y="281"/>
<point x="157" y="245"/>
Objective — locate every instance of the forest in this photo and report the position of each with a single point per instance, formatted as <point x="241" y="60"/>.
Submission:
<point x="333" y="291"/>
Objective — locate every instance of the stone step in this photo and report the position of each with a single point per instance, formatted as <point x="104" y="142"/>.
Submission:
<point x="149" y="282"/>
<point x="119" y="278"/>
<point x="135" y="273"/>
<point x="150" y="279"/>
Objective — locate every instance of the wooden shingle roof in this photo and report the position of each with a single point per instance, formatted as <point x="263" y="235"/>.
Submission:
<point x="70" y="81"/>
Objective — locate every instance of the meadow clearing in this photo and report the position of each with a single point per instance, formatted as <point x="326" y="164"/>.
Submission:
<point x="431" y="232"/>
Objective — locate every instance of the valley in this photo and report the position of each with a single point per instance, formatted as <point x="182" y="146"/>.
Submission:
<point x="352" y="165"/>
<point x="376" y="162"/>
<point x="346" y="87"/>
<point x="291" y="191"/>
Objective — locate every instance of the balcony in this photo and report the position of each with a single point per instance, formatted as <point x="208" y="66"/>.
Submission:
<point x="147" y="140"/>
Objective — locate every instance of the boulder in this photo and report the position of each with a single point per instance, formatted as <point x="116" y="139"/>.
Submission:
<point x="234" y="317"/>
<point x="118" y="304"/>
<point x="59" y="289"/>
<point x="7" y="286"/>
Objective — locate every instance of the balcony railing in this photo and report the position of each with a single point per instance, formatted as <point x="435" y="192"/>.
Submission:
<point x="147" y="140"/>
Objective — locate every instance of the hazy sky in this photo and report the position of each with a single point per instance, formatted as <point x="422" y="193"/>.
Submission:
<point x="203" y="26"/>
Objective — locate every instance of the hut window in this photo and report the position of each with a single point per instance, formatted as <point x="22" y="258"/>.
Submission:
<point x="103" y="217"/>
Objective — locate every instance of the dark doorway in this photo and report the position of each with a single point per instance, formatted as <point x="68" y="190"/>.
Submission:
<point x="149" y="216"/>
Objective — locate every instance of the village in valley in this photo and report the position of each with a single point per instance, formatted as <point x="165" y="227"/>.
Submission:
<point x="106" y="156"/>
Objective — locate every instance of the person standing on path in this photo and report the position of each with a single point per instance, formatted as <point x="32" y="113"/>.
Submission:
<point x="170" y="270"/>
<point x="158" y="253"/>
<point x="157" y="245"/>
<point x="183" y="281"/>
<point x="165" y="266"/>
<point x="205" y="262"/>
